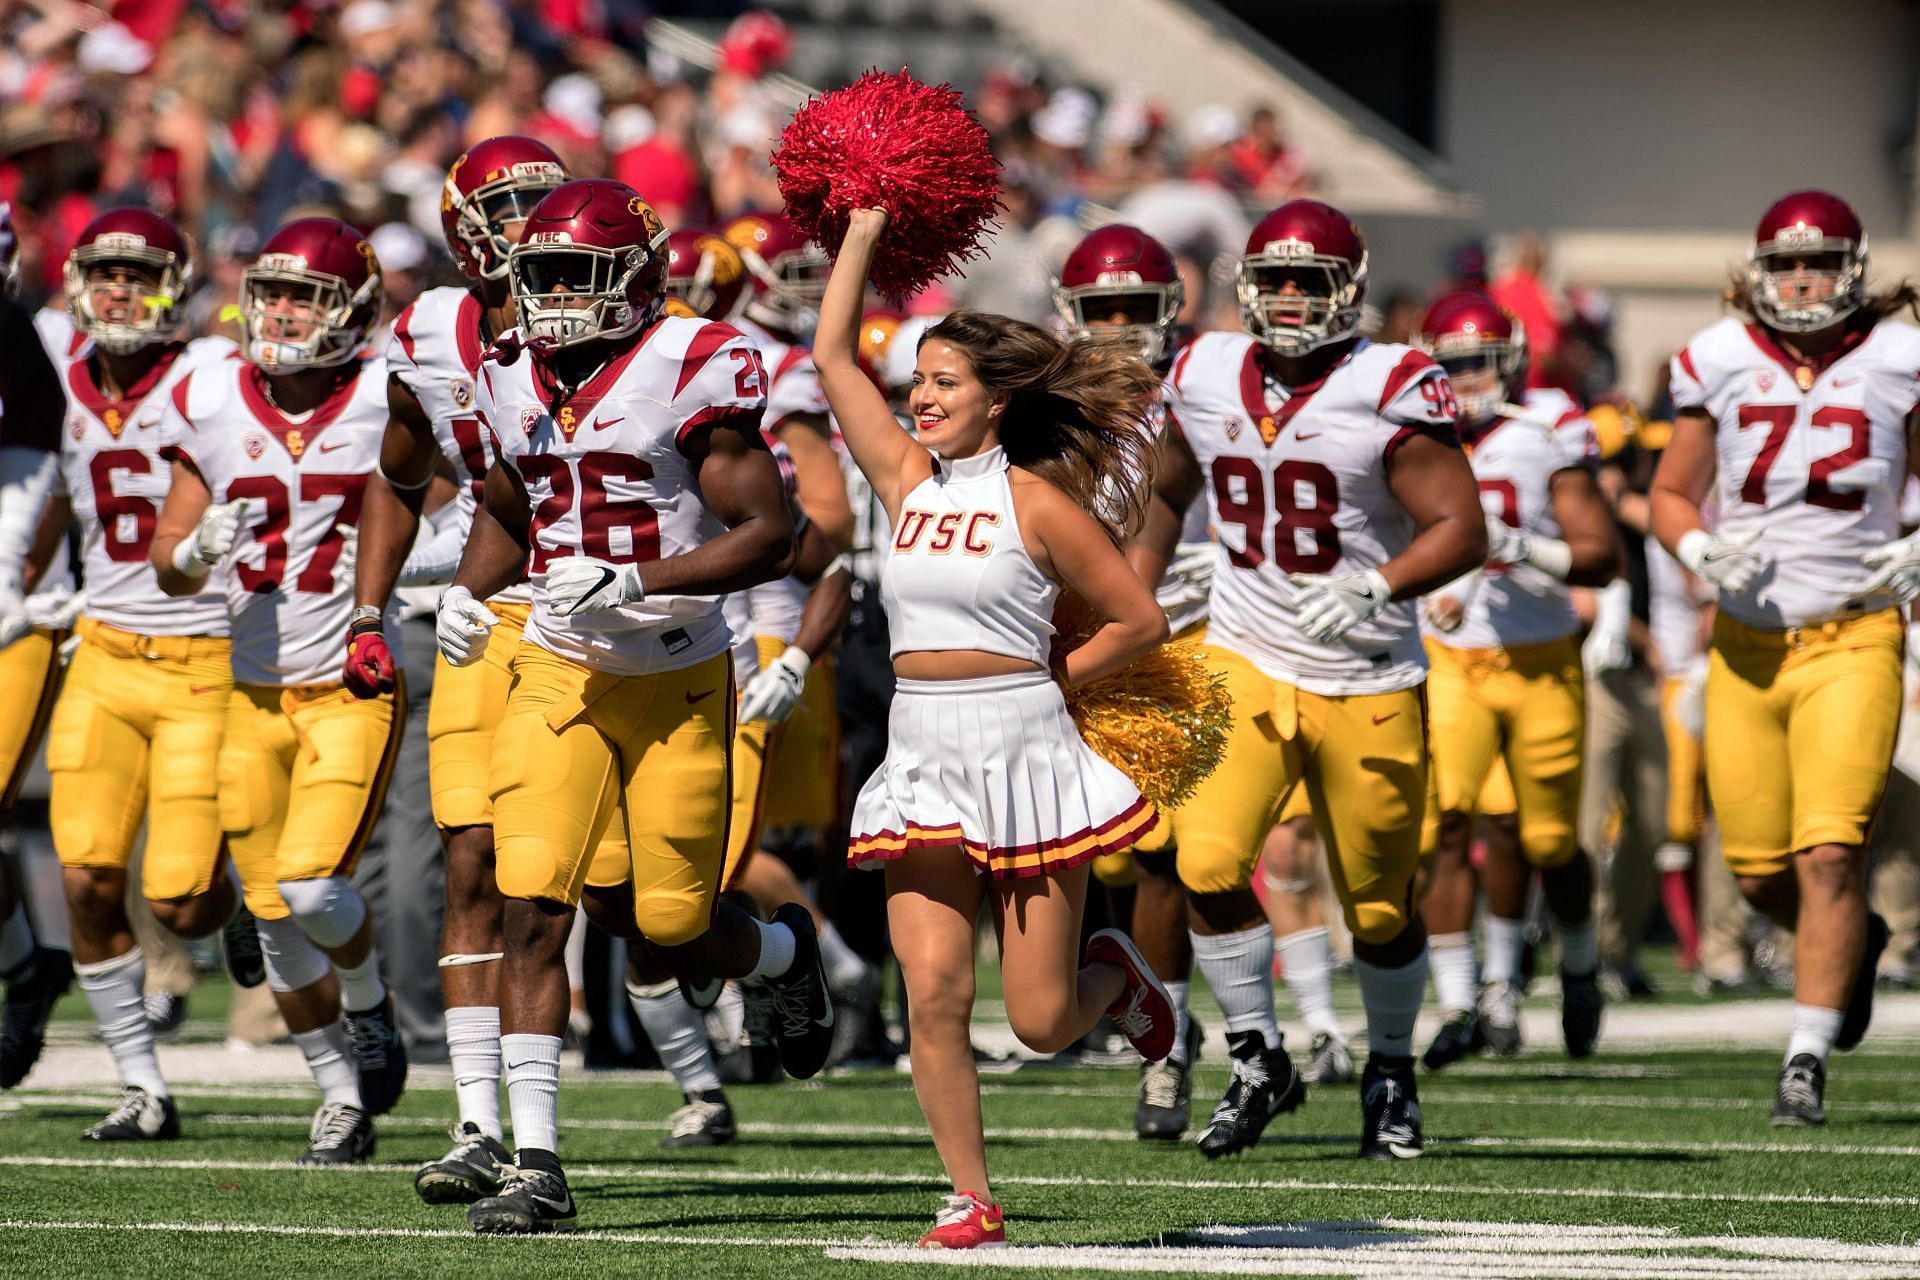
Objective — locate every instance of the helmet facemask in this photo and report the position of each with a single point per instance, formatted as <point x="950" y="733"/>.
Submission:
<point x="1484" y="371"/>
<point x="483" y="214"/>
<point x="334" y="319"/>
<point x="1805" y="283"/>
<point x="154" y="284"/>
<point x="1089" y="311"/>
<point x="795" y="286"/>
<point x="571" y="293"/>
<point x="1326" y="310"/>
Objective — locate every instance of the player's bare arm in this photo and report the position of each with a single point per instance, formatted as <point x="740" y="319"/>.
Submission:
<point x="823" y="490"/>
<point x="179" y="519"/>
<point x="741" y="484"/>
<point x="396" y="493"/>
<point x="1686" y="474"/>
<point x="497" y="546"/>
<point x="1176" y="483"/>
<point x="891" y="459"/>
<point x="825" y="614"/>
<point x="1586" y="525"/>
<point x="1071" y="548"/>
<point x="1432" y="480"/>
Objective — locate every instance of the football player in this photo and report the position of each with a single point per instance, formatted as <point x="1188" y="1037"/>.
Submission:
<point x="136" y="732"/>
<point x="433" y="363"/>
<point x="1506" y="683"/>
<point x="1795" y="415"/>
<point x="1338" y="493"/>
<point x="631" y="467"/>
<point x="271" y="454"/>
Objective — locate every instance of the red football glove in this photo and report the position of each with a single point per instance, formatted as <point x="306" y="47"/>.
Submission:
<point x="369" y="670"/>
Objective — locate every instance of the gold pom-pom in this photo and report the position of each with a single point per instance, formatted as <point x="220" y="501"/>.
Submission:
<point x="1162" y="721"/>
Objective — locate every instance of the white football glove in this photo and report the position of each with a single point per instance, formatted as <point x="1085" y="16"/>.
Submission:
<point x="1690" y="708"/>
<point x="56" y="610"/>
<point x="1444" y="610"/>
<point x="582" y="584"/>
<point x="1329" y="607"/>
<point x="1728" y="563"/>
<point x="1506" y="544"/>
<point x="211" y="539"/>
<point x="1896" y="568"/>
<point x="463" y="627"/>
<point x="1607" y="647"/>
<point x="349" y="552"/>
<point x="1193" y="564"/>
<point x="775" y="692"/>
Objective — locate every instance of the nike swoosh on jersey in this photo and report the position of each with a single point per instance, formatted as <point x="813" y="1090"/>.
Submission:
<point x="1383" y="719"/>
<point x="1306" y="435"/>
<point x="608" y="422"/>
<point x="337" y="444"/>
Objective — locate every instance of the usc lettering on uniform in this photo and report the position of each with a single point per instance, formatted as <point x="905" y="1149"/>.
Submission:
<point x="946" y="531"/>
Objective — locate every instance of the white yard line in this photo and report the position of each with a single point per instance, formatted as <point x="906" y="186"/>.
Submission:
<point x="431" y="1233"/>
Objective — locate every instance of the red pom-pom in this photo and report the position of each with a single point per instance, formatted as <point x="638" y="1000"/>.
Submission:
<point x="890" y="142"/>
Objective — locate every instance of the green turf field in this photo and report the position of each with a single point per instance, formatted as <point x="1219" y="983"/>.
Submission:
<point x="1642" y="1165"/>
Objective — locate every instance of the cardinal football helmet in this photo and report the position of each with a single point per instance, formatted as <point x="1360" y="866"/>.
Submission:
<point x="330" y="275"/>
<point x="1317" y="249"/>
<point x="591" y="264"/>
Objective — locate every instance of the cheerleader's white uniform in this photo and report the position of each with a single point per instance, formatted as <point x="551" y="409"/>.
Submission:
<point x="993" y="765"/>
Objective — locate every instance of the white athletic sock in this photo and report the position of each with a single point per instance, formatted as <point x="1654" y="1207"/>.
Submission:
<point x="1454" y="980"/>
<point x="1579" y="949"/>
<point x="116" y="989"/>
<point x="776" y="951"/>
<point x="1239" y="968"/>
<point x="1178" y="993"/>
<point x="678" y="1033"/>
<point x="1505" y="938"/>
<point x="845" y="968"/>
<point x="1307" y="959"/>
<point x="16" y="939"/>
<point x="1813" y="1031"/>
<point x="360" y="986"/>
<point x="473" y="1049"/>
<point x="1392" y="999"/>
<point x="533" y="1089"/>
<point x="330" y="1059"/>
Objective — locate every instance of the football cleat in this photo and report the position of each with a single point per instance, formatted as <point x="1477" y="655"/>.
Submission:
<point x="240" y="942"/>
<point x="755" y="1057"/>
<point x="1330" y="1061"/>
<point x="1459" y="1035"/>
<point x="966" y="1222"/>
<point x="1264" y="1085"/>
<point x="706" y="1121"/>
<point x="1581" y="1004"/>
<point x="1500" y="1017"/>
<point x="1144" y="1012"/>
<point x="140" y="1117"/>
<point x="1390" y="1110"/>
<point x="341" y="1134"/>
<point x="380" y="1054"/>
<point x="1166" y="1091"/>
<point x="1853" y="1025"/>
<point x="166" y="1014"/>
<point x="802" y="1004"/>
<point x="701" y="993"/>
<point x="32" y="987"/>
<point x="531" y="1202"/>
<point x="1801" y="1097"/>
<point x="473" y="1170"/>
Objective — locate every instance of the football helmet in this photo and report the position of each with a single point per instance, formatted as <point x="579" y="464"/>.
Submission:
<point x="789" y="272"/>
<point x="705" y="271"/>
<point x="310" y="297"/>
<point x="150" y="311"/>
<point x="591" y="264"/>
<point x="9" y="251"/>
<point x="1482" y="347"/>
<point x="496" y="182"/>
<point x="1820" y="233"/>
<point x="877" y="329"/>
<point x="1319" y="251"/>
<point x="1121" y="270"/>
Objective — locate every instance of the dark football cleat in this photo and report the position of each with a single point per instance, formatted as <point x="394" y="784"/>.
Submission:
<point x="1166" y="1092"/>
<point x="802" y="1003"/>
<point x="166" y="1014"/>
<point x="706" y="1121"/>
<point x="1500" y="1017"/>
<point x="140" y="1117"/>
<point x="701" y="993"/>
<point x="1264" y="1085"/>
<point x="240" y="943"/>
<point x="1853" y="1026"/>
<point x="532" y="1202"/>
<point x="473" y="1170"/>
<point x="1390" y="1110"/>
<point x="341" y="1134"/>
<point x="1581" y="1005"/>
<point x="33" y="986"/>
<point x="1800" y="1099"/>
<point x="1329" y="1061"/>
<point x="755" y="1059"/>
<point x="1459" y="1035"/>
<point x="380" y="1054"/>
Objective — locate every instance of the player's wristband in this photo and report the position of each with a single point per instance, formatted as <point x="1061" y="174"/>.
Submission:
<point x="1550" y="556"/>
<point x="1691" y="550"/>
<point x="365" y="618"/>
<point x="188" y="563"/>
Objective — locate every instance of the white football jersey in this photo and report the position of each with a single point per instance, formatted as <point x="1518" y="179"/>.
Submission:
<point x="604" y="472"/>
<point x="1514" y="462"/>
<point x="1812" y="460"/>
<point x="435" y="350"/>
<point x="287" y="599"/>
<point x="1297" y="484"/>
<point x="113" y="476"/>
<point x="793" y="384"/>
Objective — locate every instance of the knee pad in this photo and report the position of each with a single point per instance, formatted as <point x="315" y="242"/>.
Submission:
<point x="292" y="961"/>
<point x="1116" y="870"/>
<point x="1376" y="923"/>
<point x="672" y="919"/>
<point x="1212" y="869"/>
<point x="330" y="909"/>
<point x="1548" y="846"/>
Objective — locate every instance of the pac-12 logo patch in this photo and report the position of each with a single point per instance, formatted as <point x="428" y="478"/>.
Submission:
<point x="461" y="389"/>
<point x="255" y="444"/>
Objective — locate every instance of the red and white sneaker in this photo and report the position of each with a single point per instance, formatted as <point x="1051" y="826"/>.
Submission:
<point x="1144" y="1012"/>
<point x="966" y="1222"/>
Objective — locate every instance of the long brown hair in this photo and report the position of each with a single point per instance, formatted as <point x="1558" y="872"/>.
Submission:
<point x="1078" y="411"/>
<point x="1875" y="307"/>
